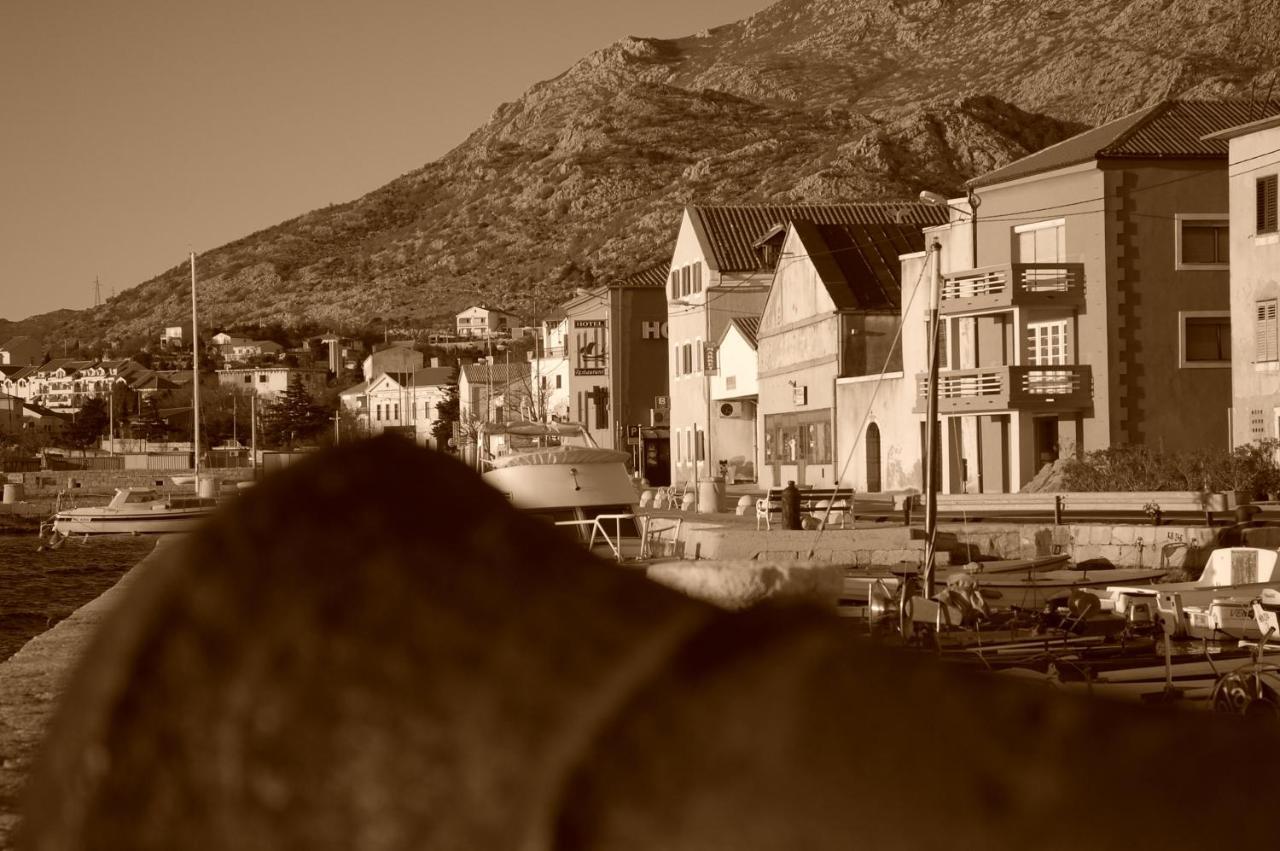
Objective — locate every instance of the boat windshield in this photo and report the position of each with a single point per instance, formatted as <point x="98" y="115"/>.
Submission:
<point x="501" y="440"/>
<point x="136" y="496"/>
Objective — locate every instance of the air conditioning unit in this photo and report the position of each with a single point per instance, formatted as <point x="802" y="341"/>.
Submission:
<point x="658" y="417"/>
<point x="738" y="410"/>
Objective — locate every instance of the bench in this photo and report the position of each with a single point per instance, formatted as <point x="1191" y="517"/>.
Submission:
<point x="826" y="503"/>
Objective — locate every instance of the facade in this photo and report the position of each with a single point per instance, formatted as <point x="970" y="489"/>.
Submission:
<point x="1097" y="312"/>
<point x="269" y="382"/>
<point x="240" y="351"/>
<point x="1253" y="163"/>
<point x="342" y="354"/>
<point x="722" y="267"/>
<point x="735" y="391"/>
<point x="483" y="321"/>
<point x="21" y="351"/>
<point x="833" y="313"/>
<point x="495" y="393"/>
<point x="171" y="337"/>
<point x="551" y="369"/>
<point x="400" y="402"/>
<point x="10" y="414"/>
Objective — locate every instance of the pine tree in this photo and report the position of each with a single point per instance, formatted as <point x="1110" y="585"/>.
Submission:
<point x="293" y="417"/>
<point x="447" y="413"/>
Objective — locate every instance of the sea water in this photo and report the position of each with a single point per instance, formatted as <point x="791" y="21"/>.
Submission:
<point x="38" y="589"/>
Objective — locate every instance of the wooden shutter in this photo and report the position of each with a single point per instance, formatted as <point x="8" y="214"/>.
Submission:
<point x="1264" y="332"/>
<point x="697" y="277"/>
<point x="675" y="284"/>
<point x="1267" y="208"/>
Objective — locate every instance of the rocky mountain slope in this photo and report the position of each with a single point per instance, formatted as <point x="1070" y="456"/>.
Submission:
<point x="584" y="176"/>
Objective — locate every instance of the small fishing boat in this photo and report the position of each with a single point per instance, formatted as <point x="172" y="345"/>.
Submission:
<point x="135" y="511"/>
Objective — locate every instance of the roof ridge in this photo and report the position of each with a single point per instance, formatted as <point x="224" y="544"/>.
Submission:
<point x="1152" y="113"/>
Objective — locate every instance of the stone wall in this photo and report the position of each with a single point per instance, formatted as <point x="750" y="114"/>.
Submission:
<point x="104" y="481"/>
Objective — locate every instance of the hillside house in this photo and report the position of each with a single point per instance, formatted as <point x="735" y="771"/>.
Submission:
<point x="483" y="321"/>
<point x="171" y="337"/>
<point x="270" y="381"/>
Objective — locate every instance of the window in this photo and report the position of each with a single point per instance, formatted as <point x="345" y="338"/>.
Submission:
<point x="379" y="412"/>
<point x="1201" y="241"/>
<point x="687" y="358"/>
<point x="262" y="379"/>
<point x="1042" y="242"/>
<point x="248" y="379"/>
<point x="697" y="277"/>
<point x="1264" y="332"/>
<point x="1265" y="187"/>
<point x="1048" y="343"/>
<point x="557" y="382"/>
<point x="675" y="284"/>
<point x="1205" y="338"/>
<point x="701" y="354"/>
<point x="397" y="416"/>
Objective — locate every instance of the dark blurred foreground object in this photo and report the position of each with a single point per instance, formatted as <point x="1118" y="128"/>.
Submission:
<point x="373" y="651"/>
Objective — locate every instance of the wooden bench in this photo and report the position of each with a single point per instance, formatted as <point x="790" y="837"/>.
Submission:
<point x="826" y="503"/>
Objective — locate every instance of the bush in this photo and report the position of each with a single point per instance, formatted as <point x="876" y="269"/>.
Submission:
<point x="1251" y="468"/>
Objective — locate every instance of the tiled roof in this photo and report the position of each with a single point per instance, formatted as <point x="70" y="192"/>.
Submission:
<point x="21" y="373"/>
<point x="859" y="263"/>
<point x="1171" y="129"/>
<point x="654" y="276"/>
<point x="69" y="364"/>
<point x="1266" y="123"/>
<point x="498" y="373"/>
<point x="748" y="327"/>
<point x="732" y="231"/>
<point x="432" y="376"/>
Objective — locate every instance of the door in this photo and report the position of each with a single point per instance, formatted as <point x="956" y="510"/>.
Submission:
<point x="874" y="484"/>
<point x="1046" y="440"/>
<point x="656" y="460"/>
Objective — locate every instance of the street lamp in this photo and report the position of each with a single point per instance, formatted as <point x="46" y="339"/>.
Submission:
<point x="934" y="199"/>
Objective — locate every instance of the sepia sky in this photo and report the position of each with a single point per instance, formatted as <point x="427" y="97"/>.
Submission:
<point x="134" y="131"/>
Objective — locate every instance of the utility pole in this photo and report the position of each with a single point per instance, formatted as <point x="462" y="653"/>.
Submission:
<point x="933" y="435"/>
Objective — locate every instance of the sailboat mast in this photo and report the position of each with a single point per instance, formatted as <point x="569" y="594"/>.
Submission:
<point x="932" y="432"/>
<point x="195" y="378"/>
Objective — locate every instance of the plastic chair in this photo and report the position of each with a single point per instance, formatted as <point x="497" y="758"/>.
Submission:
<point x="688" y="502"/>
<point x="646" y="499"/>
<point x="744" y="503"/>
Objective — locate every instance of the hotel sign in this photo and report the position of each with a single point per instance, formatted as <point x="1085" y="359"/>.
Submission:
<point x="588" y="323"/>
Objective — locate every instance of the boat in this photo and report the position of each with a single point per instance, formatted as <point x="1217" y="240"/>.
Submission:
<point x="556" y="472"/>
<point x="144" y="511"/>
<point x="136" y="511"/>
<point x="1216" y="606"/>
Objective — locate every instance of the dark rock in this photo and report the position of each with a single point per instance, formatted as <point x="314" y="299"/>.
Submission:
<point x="373" y="651"/>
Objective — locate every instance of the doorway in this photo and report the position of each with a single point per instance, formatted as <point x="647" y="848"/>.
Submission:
<point x="874" y="485"/>
<point x="1045" y="442"/>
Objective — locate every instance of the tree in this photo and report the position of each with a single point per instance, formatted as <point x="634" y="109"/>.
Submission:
<point x="447" y="414"/>
<point x="89" y="424"/>
<point x="149" y="425"/>
<point x="293" y="417"/>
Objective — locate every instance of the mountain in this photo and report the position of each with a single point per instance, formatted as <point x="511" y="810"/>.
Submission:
<point x="584" y="176"/>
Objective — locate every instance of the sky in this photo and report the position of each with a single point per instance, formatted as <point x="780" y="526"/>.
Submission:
<point x="135" y="131"/>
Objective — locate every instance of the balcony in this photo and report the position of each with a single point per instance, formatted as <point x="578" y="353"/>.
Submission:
<point x="1010" y="388"/>
<point x="1013" y="285"/>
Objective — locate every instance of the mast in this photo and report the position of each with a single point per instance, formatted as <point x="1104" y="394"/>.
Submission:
<point x="195" y="378"/>
<point x="932" y="433"/>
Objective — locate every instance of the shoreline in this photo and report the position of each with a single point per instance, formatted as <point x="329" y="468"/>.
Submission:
<point x="31" y="682"/>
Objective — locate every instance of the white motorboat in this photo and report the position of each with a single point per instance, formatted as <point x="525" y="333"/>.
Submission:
<point x="1218" y="605"/>
<point x="556" y="471"/>
<point x="135" y="511"/>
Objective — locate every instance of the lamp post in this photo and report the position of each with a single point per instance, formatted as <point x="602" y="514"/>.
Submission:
<point x="932" y="433"/>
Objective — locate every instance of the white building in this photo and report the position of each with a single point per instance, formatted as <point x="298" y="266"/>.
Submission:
<point x="481" y="320"/>
<point x="735" y="391"/>
<point x="551" y="369"/>
<point x="495" y="392"/>
<point x="1253" y="166"/>
<point x="269" y="382"/>
<point x="171" y="336"/>
<point x="400" y="402"/>
<point x="393" y="358"/>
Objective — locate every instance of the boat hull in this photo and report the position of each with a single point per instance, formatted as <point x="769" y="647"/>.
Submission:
<point x="131" y="523"/>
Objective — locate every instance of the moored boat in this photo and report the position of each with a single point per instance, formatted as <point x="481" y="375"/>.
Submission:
<point x="135" y="511"/>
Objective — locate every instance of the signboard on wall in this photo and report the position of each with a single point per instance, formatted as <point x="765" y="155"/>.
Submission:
<point x="590" y="347"/>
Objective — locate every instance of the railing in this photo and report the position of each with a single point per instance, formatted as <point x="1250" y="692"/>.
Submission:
<point x="1024" y="284"/>
<point x="1000" y="388"/>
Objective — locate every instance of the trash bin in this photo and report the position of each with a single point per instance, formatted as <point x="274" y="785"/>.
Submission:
<point x="791" y="507"/>
<point x="710" y="495"/>
<point x="12" y="494"/>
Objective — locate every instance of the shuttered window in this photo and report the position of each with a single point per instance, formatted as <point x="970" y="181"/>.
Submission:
<point x="675" y="284"/>
<point x="697" y="277"/>
<point x="1267" y="212"/>
<point x="1264" y="332"/>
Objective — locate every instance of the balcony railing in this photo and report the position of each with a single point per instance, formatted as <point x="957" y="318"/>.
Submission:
<point x="1010" y="388"/>
<point x="1013" y="285"/>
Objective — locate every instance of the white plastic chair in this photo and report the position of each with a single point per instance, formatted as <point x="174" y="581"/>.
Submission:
<point x="687" y="503"/>
<point x="646" y="498"/>
<point x="744" y="503"/>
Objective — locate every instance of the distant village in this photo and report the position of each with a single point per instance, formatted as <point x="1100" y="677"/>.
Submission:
<point x="1086" y="297"/>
